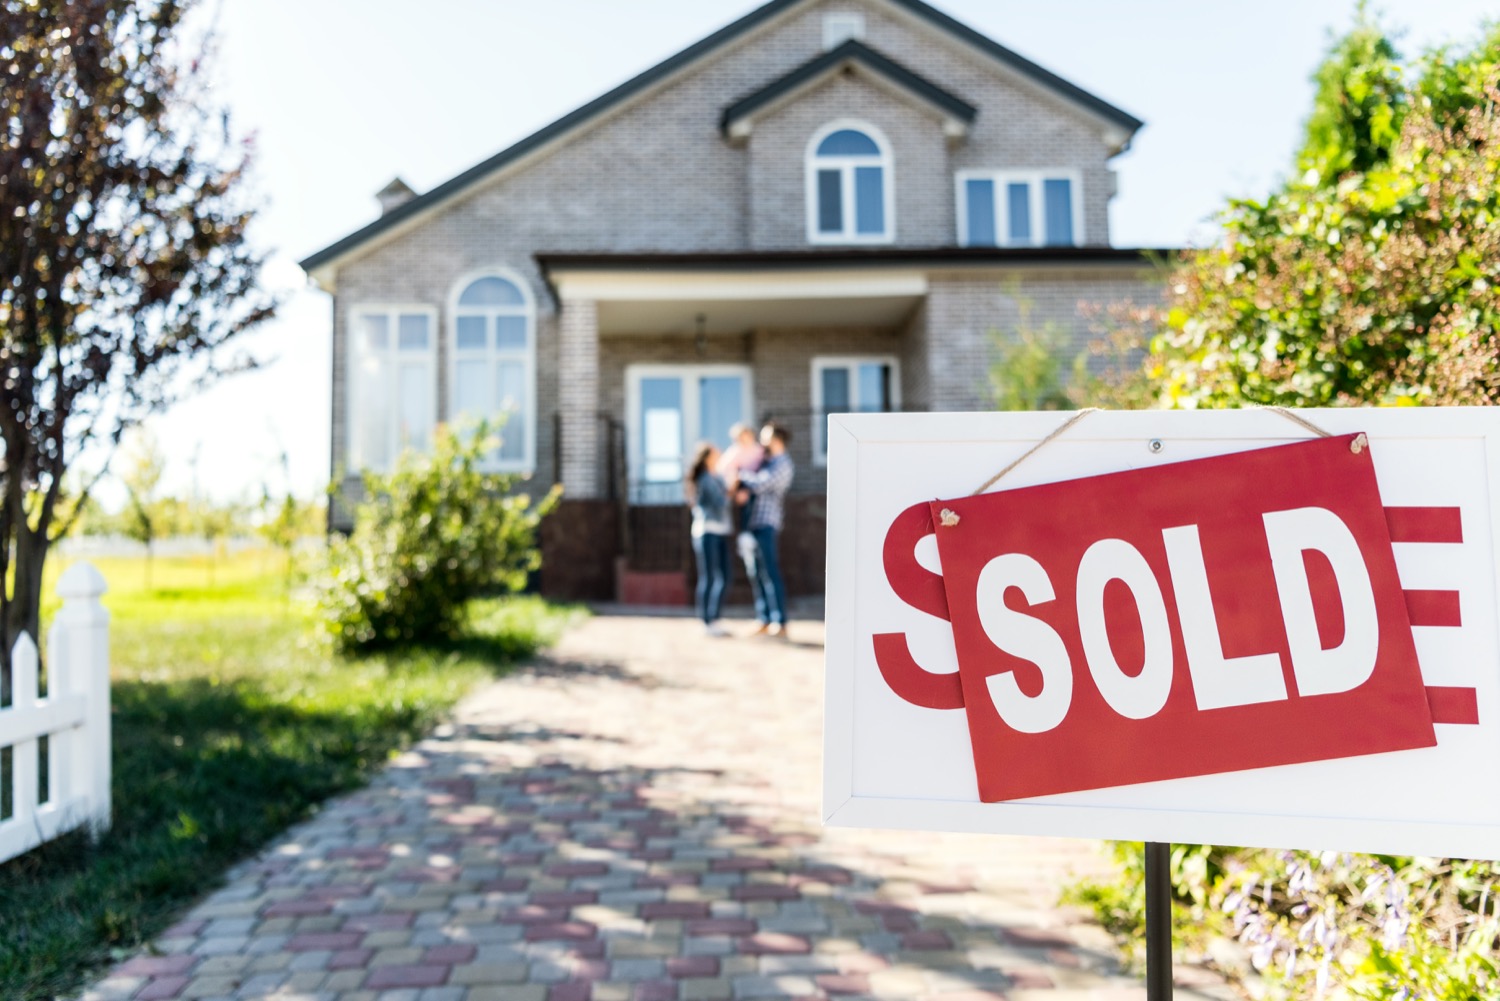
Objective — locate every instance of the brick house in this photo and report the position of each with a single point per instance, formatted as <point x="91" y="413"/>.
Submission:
<point x="827" y="205"/>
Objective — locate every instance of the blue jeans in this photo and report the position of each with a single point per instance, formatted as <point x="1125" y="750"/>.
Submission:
<point x="712" y="551"/>
<point x="764" y="569"/>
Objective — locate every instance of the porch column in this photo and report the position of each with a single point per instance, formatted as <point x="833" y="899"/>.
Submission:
<point x="578" y="398"/>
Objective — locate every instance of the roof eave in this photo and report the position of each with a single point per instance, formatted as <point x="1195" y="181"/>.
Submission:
<point x="325" y="261"/>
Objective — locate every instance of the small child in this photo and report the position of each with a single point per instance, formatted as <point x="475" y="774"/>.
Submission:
<point x="744" y="455"/>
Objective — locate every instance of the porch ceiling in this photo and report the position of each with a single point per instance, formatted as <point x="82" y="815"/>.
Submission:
<point x="735" y="316"/>
<point x="660" y="301"/>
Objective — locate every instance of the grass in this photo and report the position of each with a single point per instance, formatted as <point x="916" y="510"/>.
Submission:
<point x="230" y="723"/>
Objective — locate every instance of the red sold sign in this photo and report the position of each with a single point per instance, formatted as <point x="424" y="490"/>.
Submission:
<point x="1208" y="616"/>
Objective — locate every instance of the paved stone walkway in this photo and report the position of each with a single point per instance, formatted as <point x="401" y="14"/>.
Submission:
<point x="633" y="819"/>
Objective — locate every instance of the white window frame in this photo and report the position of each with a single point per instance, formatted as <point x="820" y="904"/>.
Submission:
<point x="822" y="363"/>
<point x="845" y="165"/>
<point x="842" y="26"/>
<point x="1034" y="179"/>
<point x="356" y="353"/>
<point x="691" y="404"/>
<point x="492" y="355"/>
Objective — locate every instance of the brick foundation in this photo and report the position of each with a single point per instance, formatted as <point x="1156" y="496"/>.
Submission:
<point x="579" y="543"/>
<point x="581" y="557"/>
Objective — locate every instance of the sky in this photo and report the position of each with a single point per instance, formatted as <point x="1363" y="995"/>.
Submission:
<point x="343" y="95"/>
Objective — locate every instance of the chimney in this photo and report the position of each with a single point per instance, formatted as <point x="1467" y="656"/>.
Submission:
<point x="394" y="195"/>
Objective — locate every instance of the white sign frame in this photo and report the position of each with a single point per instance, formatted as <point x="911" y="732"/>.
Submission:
<point x="983" y="443"/>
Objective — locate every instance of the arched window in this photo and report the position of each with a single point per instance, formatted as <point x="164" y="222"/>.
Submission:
<point x="849" y="185"/>
<point x="494" y="363"/>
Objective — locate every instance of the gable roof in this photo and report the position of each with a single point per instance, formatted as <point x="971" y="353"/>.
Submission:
<point x="635" y="85"/>
<point x="849" y="53"/>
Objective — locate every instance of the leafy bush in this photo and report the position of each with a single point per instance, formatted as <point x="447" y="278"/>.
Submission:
<point x="1370" y="276"/>
<point x="1321" y="924"/>
<point x="1369" y="927"/>
<point x="430" y="536"/>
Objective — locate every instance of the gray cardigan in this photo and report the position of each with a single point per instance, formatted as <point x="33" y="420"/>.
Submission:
<point x="710" y="505"/>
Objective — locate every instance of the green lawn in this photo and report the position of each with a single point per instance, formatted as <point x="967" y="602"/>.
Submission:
<point x="230" y="722"/>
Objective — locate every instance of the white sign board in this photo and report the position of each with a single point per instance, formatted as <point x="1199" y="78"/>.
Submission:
<point x="889" y="762"/>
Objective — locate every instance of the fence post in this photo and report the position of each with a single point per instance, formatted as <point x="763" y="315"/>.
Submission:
<point x="78" y="648"/>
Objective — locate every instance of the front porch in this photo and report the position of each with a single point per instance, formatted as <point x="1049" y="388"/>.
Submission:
<point x="679" y="357"/>
<point x="657" y="352"/>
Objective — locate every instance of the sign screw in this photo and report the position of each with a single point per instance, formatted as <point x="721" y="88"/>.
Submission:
<point x="1156" y="445"/>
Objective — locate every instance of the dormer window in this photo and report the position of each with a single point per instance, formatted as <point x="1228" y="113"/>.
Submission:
<point x="1033" y="208"/>
<point x="849" y="185"/>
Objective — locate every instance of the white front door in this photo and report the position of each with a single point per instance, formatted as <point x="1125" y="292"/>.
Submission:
<point x="669" y="409"/>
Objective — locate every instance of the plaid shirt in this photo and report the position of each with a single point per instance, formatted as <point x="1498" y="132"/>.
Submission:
<point x="769" y="484"/>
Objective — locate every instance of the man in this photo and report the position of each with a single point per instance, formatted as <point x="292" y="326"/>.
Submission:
<point x="768" y="487"/>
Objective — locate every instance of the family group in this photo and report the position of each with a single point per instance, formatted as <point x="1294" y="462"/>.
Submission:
<point x="740" y="493"/>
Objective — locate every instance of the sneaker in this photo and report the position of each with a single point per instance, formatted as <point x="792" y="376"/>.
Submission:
<point x="776" y="631"/>
<point x="716" y="630"/>
<point x="762" y="629"/>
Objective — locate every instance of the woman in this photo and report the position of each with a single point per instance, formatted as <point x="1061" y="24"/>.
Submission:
<point x="710" y="502"/>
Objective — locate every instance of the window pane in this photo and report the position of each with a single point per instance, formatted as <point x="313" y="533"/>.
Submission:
<point x="492" y="292"/>
<point x="848" y="142"/>
<point x="830" y="201"/>
<point x="373" y="421"/>
<point x="511" y="333"/>
<point x="1018" y="209"/>
<point x="836" y="390"/>
<point x="874" y="387"/>
<point x="471" y="390"/>
<point x="1058" y="195"/>
<point x="411" y="333"/>
<point x="661" y="428"/>
<point x="415" y="393"/>
<point x="471" y="333"/>
<point x="979" y="206"/>
<point x="869" y="199"/>
<point x="376" y="331"/>
<point x="511" y="387"/>
<point x="719" y="399"/>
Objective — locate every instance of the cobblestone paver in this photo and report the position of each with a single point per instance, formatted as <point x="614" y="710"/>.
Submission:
<point x="633" y="819"/>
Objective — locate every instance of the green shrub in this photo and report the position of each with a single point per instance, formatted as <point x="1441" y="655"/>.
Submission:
<point x="1322" y="924"/>
<point x="430" y="536"/>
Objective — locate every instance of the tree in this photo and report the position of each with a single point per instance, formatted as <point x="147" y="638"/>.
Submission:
<point x="1359" y="104"/>
<point x="285" y="521"/>
<point x="1374" y="275"/>
<point x="141" y="477"/>
<point x="1027" y="373"/>
<point x="125" y="270"/>
<point x="216" y="523"/>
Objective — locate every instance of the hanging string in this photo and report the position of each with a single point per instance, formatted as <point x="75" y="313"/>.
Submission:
<point x="1356" y="446"/>
<point x="1298" y="419"/>
<point x="1080" y="415"/>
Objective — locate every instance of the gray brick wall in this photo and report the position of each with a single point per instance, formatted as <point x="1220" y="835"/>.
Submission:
<point x="967" y="312"/>
<point x="659" y="177"/>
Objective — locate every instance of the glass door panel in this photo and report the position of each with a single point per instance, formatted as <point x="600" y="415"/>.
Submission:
<point x="721" y="404"/>
<point x="679" y="405"/>
<point x="661" y="430"/>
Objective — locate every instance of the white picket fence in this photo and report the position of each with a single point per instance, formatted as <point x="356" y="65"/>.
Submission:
<point x="73" y="714"/>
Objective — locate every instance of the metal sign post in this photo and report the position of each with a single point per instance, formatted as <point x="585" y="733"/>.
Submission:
<point x="1158" y="921"/>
